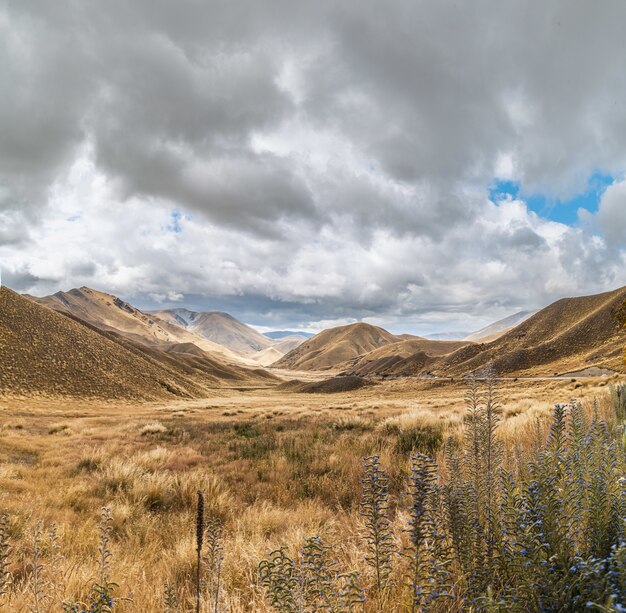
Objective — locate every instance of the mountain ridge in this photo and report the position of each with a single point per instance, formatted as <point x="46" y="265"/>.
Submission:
<point x="568" y="334"/>
<point x="498" y="328"/>
<point x="111" y="313"/>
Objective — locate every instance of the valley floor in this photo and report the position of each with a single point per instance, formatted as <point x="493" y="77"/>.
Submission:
<point x="274" y="467"/>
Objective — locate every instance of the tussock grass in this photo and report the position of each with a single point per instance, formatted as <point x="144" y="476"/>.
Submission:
<point x="153" y="428"/>
<point x="424" y="524"/>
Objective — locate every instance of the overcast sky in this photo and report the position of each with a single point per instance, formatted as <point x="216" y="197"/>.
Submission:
<point x="423" y="165"/>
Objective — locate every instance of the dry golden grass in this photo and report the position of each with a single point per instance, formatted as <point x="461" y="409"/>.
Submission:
<point x="274" y="467"/>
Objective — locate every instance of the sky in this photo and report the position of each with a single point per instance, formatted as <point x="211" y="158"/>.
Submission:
<point x="424" y="165"/>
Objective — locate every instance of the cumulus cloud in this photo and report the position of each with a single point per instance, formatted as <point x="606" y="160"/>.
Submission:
<point x="313" y="161"/>
<point x="612" y="213"/>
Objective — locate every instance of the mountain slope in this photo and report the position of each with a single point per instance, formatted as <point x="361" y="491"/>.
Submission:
<point x="281" y="347"/>
<point x="46" y="352"/>
<point x="110" y="313"/>
<point x="448" y="336"/>
<point x="572" y="333"/>
<point x="220" y="328"/>
<point x="332" y="348"/>
<point x="404" y="357"/>
<point x="42" y="351"/>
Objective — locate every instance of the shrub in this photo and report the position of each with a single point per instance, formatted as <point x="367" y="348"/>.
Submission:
<point x="424" y="440"/>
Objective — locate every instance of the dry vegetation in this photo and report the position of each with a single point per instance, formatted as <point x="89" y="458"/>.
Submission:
<point x="274" y="468"/>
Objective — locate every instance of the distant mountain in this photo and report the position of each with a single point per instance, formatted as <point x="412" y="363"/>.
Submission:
<point x="220" y="328"/>
<point x="335" y="346"/>
<point x="498" y="328"/>
<point x="448" y="336"/>
<point x="278" y="334"/>
<point x="111" y="313"/>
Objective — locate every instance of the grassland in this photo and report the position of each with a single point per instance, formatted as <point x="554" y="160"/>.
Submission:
<point x="274" y="469"/>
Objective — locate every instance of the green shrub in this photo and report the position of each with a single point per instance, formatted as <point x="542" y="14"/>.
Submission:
<point x="423" y="440"/>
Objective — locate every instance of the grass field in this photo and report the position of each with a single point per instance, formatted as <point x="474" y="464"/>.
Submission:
<point x="274" y="470"/>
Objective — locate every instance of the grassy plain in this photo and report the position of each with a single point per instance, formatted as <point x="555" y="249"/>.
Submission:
<point x="275" y="467"/>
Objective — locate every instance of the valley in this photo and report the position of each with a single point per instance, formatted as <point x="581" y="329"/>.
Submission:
<point x="104" y="405"/>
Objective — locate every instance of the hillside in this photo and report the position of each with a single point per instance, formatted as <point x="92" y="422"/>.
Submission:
<point x="279" y="348"/>
<point x="220" y="328"/>
<point x="46" y="352"/>
<point x="334" y="347"/>
<point x="110" y="313"/>
<point x="571" y="334"/>
<point x="402" y="358"/>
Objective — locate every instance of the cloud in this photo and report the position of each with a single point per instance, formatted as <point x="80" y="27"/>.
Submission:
<point x="612" y="213"/>
<point x="327" y="161"/>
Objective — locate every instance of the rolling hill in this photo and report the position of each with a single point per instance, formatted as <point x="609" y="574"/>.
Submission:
<point x="336" y="346"/>
<point x="570" y="335"/>
<point x="42" y="351"/>
<point x="110" y="313"/>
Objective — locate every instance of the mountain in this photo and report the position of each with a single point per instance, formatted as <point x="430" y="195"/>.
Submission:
<point x="46" y="352"/>
<point x="405" y="357"/>
<point x="570" y="334"/>
<point x="336" y="346"/>
<point x="111" y="313"/>
<point x="220" y="328"/>
<point x="448" y="336"/>
<point x="280" y="334"/>
<point x="498" y="328"/>
<point x="281" y="347"/>
<point x="288" y="343"/>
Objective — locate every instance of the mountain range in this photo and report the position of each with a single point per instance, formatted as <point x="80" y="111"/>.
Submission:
<point x="220" y="328"/>
<point x="89" y="343"/>
<point x="215" y="332"/>
<point x="280" y="334"/>
<point x="498" y="328"/>
<point x="569" y="335"/>
<point x="53" y="352"/>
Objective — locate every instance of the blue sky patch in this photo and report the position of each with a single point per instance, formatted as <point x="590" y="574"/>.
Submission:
<point x="175" y="226"/>
<point x="564" y="211"/>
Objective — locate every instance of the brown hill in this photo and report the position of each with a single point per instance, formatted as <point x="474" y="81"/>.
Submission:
<point x="334" y="385"/>
<point x="571" y="334"/>
<point x="403" y="358"/>
<point x="46" y="352"/>
<point x="110" y="313"/>
<point x="336" y="346"/>
<point x="220" y="328"/>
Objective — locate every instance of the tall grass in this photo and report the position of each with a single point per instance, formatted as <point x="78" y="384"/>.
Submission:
<point x="464" y="519"/>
